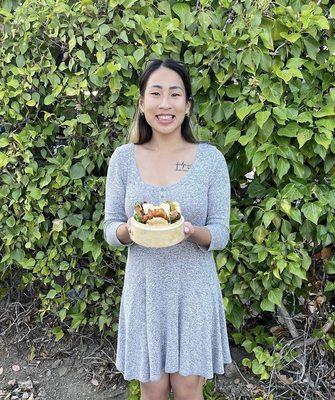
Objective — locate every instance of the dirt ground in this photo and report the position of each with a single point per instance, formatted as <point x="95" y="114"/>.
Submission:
<point x="61" y="376"/>
<point x="34" y="366"/>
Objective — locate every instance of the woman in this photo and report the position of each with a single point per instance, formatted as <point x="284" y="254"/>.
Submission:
<point x="172" y="328"/>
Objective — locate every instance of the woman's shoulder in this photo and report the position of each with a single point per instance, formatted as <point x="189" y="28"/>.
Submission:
<point x="121" y="152"/>
<point x="123" y="148"/>
<point x="211" y="152"/>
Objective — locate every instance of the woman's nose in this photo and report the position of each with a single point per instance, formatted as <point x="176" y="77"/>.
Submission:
<point x="165" y="102"/>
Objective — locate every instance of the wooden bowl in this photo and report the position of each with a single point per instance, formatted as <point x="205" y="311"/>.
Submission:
<point x="157" y="235"/>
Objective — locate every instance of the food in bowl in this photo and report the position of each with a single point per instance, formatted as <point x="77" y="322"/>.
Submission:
<point x="166" y="213"/>
<point x="157" y="226"/>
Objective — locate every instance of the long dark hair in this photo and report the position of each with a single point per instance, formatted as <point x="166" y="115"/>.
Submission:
<point x="141" y="131"/>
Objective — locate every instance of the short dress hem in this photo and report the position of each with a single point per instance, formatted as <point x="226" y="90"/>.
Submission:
<point x="157" y="377"/>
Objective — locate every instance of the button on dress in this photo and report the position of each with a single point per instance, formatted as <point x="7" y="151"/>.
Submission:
<point x="172" y="317"/>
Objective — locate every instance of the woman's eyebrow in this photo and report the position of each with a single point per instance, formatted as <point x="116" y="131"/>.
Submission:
<point x="161" y="87"/>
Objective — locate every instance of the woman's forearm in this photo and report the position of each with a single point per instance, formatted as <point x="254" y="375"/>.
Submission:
<point x="201" y="236"/>
<point x="123" y="234"/>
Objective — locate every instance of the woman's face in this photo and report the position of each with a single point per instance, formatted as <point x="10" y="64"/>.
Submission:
<point x="164" y="101"/>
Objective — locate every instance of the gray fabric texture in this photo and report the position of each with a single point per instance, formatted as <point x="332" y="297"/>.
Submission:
<point x="172" y="318"/>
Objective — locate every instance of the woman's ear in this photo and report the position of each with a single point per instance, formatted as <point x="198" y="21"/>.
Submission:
<point x="140" y="104"/>
<point x="188" y="108"/>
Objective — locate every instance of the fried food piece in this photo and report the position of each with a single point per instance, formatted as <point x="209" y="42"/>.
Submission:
<point x="174" y="216"/>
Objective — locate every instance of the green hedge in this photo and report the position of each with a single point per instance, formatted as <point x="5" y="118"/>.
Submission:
<point x="263" y="80"/>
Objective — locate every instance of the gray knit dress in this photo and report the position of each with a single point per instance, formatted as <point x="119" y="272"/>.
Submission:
<point x="172" y="317"/>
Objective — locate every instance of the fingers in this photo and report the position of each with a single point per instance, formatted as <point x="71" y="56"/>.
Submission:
<point x="129" y="227"/>
<point x="188" y="228"/>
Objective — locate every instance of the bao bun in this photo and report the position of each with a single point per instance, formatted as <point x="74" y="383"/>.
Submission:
<point x="157" y="221"/>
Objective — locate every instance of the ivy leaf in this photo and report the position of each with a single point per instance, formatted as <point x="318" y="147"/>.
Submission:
<point x="295" y="214"/>
<point x="259" y="234"/>
<point x="4" y="142"/>
<point x="228" y="109"/>
<point x="273" y="92"/>
<point x="282" y="167"/>
<point x="262" y="117"/>
<point x="290" y="130"/>
<point x="49" y="99"/>
<point x="72" y="43"/>
<point x="267" y="305"/>
<point x="184" y="13"/>
<point x="332" y="11"/>
<point x="330" y="287"/>
<point x="242" y="110"/>
<point x="232" y="135"/>
<point x="74" y="219"/>
<point x="204" y="19"/>
<point x="4" y="159"/>
<point x="94" y="247"/>
<point x="104" y="29"/>
<point x="275" y="296"/>
<point x="312" y="212"/>
<point x="14" y="83"/>
<point x="84" y="118"/>
<point x="58" y="332"/>
<point x="101" y="56"/>
<point x="57" y="225"/>
<point x="81" y="55"/>
<point x="285" y="74"/>
<point x="304" y="135"/>
<point x="20" y="61"/>
<point x="218" y="115"/>
<point x="248" y="345"/>
<point x="312" y="46"/>
<point x="27" y="263"/>
<point x="115" y="83"/>
<point x="51" y="294"/>
<point x="77" y="171"/>
<point x="138" y="54"/>
<point x="10" y="221"/>
<point x="295" y="269"/>
<point x="112" y="67"/>
<point x="305" y="117"/>
<point x="123" y="35"/>
<point x="325" y="111"/>
<point x="324" y="139"/>
<point x="321" y="21"/>
<point x="330" y="267"/>
<point x="291" y="37"/>
<point x="266" y="36"/>
<point x="77" y="319"/>
<point x="36" y="193"/>
<point x="236" y="315"/>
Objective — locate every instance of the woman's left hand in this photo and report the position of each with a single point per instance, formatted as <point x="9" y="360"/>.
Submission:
<point x="188" y="229"/>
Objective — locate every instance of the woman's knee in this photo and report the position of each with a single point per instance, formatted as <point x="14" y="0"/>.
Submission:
<point x="187" y="387"/>
<point x="156" y="390"/>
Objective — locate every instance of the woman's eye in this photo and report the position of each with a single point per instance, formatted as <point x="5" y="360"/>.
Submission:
<point x="175" y="94"/>
<point x="154" y="93"/>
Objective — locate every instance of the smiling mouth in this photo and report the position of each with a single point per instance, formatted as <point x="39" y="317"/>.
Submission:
<point x="165" y="117"/>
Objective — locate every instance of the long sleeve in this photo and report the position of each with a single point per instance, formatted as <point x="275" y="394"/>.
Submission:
<point x="218" y="216"/>
<point x="115" y="214"/>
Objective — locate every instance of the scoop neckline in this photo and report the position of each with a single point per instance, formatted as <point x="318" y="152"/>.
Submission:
<point x="183" y="178"/>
